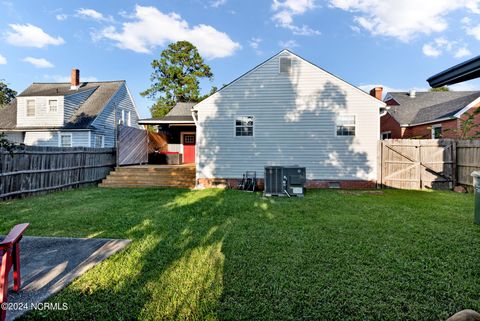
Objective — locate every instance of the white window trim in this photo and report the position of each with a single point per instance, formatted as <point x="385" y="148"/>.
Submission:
<point x="382" y="133"/>
<point x="356" y="125"/>
<point x="432" y="131"/>
<point x="129" y="118"/>
<point x="48" y="103"/>
<point x="102" y="145"/>
<point x="60" y="134"/>
<point x="235" y="126"/>
<point x="34" y="107"/>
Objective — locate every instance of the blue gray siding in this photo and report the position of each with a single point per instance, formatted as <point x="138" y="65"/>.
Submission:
<point x="51" y="138"/>
<point x="104" y="123"/>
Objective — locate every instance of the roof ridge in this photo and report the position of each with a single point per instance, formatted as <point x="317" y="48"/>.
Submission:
<point x="67" y="83"/>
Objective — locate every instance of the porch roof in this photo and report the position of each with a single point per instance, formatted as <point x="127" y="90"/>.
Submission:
<point x="181" y="113"/>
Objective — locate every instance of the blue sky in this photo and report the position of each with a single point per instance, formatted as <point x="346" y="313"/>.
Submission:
<point x="397" y="44"/>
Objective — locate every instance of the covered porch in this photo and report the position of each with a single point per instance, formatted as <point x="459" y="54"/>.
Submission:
<point x="178" y="131"/>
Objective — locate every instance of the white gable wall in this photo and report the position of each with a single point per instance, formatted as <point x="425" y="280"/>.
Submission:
<point x="294" y="124"/>
<point x="43" y="117"/>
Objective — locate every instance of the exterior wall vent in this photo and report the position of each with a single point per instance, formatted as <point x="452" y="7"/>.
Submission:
<point x="334" y="185"/>
<point x="285" y="65"/>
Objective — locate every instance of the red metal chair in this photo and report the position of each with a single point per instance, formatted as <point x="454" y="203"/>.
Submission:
<point x="10" y="255"/>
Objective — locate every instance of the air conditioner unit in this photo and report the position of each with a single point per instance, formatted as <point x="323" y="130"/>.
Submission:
<point x="285" y="181"/>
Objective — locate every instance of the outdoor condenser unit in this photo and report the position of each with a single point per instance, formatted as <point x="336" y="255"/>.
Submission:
<point x="285" y="181"/>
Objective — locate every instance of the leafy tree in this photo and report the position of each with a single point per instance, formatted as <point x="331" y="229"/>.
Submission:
<point x="6" y="94"/>
<point x="468" y="128"/>
<point x="175" y="77"/>
<point x="440" y="89"/>
<point x="6" y="144"/>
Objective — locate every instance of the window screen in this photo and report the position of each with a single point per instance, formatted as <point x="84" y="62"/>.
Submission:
<point x="346" y="125"/>
<point x="244" y="126"/>
<point x="52" y="106"/>
<point x="65" y="140"/>
<point x="285" y="65"/>
<point x="99" y="141"/>
<point x="30" y="107"/>
<point x="437" y="132"/>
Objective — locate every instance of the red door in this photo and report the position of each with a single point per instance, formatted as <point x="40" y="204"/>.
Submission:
<point x="189" y="148"/>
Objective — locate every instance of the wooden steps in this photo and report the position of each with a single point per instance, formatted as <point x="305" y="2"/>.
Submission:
<point x="181" y="176"/>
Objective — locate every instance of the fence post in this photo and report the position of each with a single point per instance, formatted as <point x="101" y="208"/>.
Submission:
<point x="379" y="164"/>
<point x="454" y="162"/>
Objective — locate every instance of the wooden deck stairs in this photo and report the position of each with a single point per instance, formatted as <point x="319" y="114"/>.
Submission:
<point x="179" y="176"/>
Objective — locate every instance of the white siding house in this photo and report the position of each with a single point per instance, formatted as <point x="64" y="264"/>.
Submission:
<point x="288" y="111"/>
<point x="68" y="114"/>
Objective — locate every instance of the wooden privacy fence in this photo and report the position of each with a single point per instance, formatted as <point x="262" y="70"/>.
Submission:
<point x="135" y="144"/>
<point x="29" y="170"/>
<point x="427" y="163"/>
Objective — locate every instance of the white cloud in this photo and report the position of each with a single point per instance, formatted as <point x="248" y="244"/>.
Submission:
<point x="93" y="14"/>
<point x="431" y="51"/>
<point x="285" y="11"/>
<point x="441" y="45"/>
<point x="61" y="78"/>
<point x="38" y="62"/>
<point x="152" y="28"/>
<point x="3" y="60"/>
<point x="403" y="19"/>
<point x="289" y="44"/>
<point x="28" y="35"/>
<point x="255" y="45"/>
<point x="217" y="3"/>
<point x="61" y="17"/>
<point x="462" y="52"/>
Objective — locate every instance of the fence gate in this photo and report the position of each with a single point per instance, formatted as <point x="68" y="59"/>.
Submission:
<point x="132" y="146"/>
<point x="417" y="164"/>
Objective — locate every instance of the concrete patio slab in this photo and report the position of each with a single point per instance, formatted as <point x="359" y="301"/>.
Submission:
<point x="49" y="264"/>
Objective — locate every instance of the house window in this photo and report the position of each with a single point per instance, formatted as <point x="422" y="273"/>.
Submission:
<point x="99" y="141"/>
<point x="52" y="105"/>
<point x="345" y="125"/>
<point x="129" y="119"/>
<point x="65" y="140"/>
<point x="122" y="117"/>
<point x="386" y="135"/>
<point x="436" y="131"/>
<point x="285" y="65"/>
<point x="244" y="126"/>
<point x="30" y="107"/>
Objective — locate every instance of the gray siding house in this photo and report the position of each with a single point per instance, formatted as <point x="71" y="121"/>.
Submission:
<point x="75" y="114"/>
<point x="288" y="111"/>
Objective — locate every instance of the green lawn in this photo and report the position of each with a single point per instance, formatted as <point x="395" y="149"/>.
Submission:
<point x="223" y="254"/>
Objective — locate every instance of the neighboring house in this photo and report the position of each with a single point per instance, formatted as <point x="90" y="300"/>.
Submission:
<point x="69" y="114"/>
<point x="285" y="111"/>
<point x="427" y="114"/>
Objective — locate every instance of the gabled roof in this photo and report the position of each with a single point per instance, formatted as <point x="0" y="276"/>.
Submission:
<point x="380" y="103"/>
<point x="181" y="112"/>
<point x="83" y="117"/>
<point x="428" y="107"/>
<point x="8" y="116"/>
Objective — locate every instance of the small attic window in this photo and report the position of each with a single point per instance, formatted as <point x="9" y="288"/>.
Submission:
<point x="285" y="65"/>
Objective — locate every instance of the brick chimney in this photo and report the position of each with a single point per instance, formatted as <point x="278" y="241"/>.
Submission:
<point x="377" y="92"/>
<point x="75" y="79"/>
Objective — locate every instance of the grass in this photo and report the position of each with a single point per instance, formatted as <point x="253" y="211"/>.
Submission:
<point x="222" y="254"/>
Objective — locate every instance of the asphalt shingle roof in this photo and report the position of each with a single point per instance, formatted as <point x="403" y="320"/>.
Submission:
<point x="429" y="106"/>
<point x="182" y="111"/>
<point x="82" y="118"/>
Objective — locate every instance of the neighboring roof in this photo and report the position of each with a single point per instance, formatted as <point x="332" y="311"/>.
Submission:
<point x="8" y="116"/>
<point x="429" y="106"/>
<point x="180" y="113"/>
<point x="82" y="118"/>
<point x="464" y="71"/>
<point x="381" y="103"/>
<point x="55" y="89"/>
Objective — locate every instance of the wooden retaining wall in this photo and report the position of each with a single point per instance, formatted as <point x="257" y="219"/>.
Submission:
<point x="427" y="163"/>
<point x="30" y="170"/>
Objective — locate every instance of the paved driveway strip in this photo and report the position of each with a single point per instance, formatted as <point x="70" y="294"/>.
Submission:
<point x="49" y="264"/>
